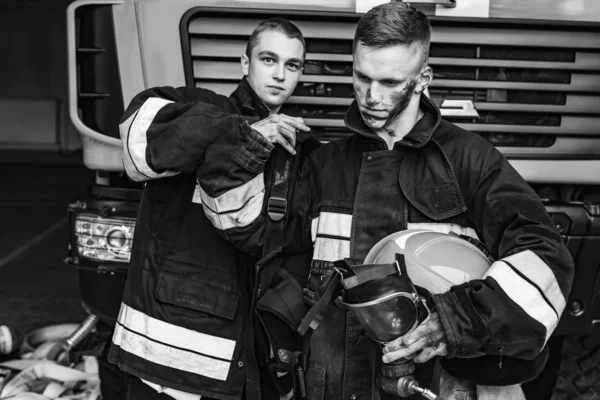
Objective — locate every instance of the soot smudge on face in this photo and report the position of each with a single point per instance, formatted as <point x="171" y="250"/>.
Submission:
<point x="400" y="101"/>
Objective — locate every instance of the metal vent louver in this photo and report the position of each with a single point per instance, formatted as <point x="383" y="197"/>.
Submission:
<point x="536" y="89"/>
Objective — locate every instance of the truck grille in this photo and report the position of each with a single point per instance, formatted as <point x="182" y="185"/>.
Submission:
<point x="536" y="88"/>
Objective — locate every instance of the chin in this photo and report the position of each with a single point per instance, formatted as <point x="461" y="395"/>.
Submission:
<point x="373" y="124"/>
<point x="274" y="101"/>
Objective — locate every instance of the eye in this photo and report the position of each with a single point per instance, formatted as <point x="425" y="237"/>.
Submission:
<point x="268" y="60"/>
<point x="363" y="78"/>
<point x="389" y="83"/>
<point x="293" y="67"/>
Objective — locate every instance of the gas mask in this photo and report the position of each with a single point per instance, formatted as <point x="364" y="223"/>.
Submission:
<point x="390" y="293"/>
<point x="387" y="304"/>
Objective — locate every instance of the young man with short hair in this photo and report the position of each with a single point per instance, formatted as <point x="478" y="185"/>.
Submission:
<point x="184" y="328"/>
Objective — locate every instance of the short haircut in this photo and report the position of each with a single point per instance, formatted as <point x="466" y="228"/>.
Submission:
<point x="391" y="24"/>
<point x="276" y="24"/>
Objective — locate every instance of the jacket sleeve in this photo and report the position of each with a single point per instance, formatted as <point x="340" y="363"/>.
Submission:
<point x="515" y="308"/>
<point x="232" y="189"/>
<point x="166" y="130"/>
<point x="235" y="185"/>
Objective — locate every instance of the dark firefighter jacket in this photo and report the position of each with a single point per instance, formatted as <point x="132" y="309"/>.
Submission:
<point x="354" y="192"/>
<point x="183" y="320"/>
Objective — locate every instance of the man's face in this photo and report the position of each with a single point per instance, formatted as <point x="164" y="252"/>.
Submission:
<point x="384" y="81"/>
<point x="274" y="67"/>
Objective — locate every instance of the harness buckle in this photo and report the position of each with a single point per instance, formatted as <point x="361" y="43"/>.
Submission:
<point x="276" y="208"/>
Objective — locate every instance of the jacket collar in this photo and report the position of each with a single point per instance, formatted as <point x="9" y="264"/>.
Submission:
<point x="249" y="101"/>
<point x="419" y="135"/>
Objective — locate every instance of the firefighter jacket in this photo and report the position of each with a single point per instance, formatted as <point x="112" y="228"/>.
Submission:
<point x="183" y="319"/>
<point x="352" y="193"/>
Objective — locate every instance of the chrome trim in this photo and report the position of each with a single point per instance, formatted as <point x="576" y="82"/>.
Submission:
<point x="411" y="296"/>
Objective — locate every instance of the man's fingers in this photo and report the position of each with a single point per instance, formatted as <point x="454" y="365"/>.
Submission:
<point x="406" y="351"/>
<point x="426" y="336"/>
<point x="295" y="122"/>
<point x="285" y="144"/>
<point x="428" y="353"/>
<point x="288" y="132"/>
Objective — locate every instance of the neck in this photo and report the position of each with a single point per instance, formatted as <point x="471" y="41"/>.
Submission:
<point x="275" y="110"/>
<point x="398" y="129"/>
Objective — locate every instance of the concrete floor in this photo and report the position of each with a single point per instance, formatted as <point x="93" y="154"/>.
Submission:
<point x="36" y="287"/>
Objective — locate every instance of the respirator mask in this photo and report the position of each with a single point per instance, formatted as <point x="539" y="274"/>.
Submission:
<point x="387" y="305"/>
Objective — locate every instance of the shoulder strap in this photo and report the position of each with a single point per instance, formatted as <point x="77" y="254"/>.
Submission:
<point x="277" y="207"/>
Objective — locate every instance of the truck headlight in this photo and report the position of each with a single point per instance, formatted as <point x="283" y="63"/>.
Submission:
<point x="104" y="239"/>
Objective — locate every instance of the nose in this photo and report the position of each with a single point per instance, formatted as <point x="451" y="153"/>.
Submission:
<point x="373" y="95"/>
<point x="279" y="72"/>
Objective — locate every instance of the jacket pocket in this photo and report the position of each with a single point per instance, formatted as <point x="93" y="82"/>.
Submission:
<point x="436" y="193"/>
<point x="315" y="383"/>
<point x="196" y="294"/>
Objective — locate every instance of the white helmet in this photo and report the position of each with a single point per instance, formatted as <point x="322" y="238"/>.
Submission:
<point x="435" y="261"/>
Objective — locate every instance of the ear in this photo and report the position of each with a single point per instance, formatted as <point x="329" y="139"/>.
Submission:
<point x="245" y="61"/>
<point x="425" y="79"/>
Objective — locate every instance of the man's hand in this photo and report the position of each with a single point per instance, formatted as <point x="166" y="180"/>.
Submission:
<point x="425" y="342"/>
<point x="281" y="128"/>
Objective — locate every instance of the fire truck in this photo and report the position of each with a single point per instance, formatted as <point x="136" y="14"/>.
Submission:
<point x="525" y="75"/>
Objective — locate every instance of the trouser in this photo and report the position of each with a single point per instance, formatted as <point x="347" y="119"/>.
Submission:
<point x="113" y="381"/>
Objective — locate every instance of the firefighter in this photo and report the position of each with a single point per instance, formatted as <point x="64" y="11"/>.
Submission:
<point x="184" y="327"/>
<point x="405" y="167"/>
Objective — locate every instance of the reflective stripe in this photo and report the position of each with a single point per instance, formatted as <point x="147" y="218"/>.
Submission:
<point x="329" y="224"/>
<point x="328" y="249"/>
<point x="527" y="295"/>
<point x="334" y="224"/>
<point x="236" y="198"/>
<point x="196" y="197"/>
<point x="242" y="216"/>
<point x="444" y="228"/>
<point x="531" y="265"/>
<point x="236" y="219"/>
<point x="171" y="345"/>
<point x="133" y="134"/>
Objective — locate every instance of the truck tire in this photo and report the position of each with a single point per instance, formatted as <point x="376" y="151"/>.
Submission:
<point x="578" y="375"/>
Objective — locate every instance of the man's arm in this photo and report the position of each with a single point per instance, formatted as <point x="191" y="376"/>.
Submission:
<point x="515" y="308"/>
<point x="236" y="181"/>
<point x="166" y="130"/>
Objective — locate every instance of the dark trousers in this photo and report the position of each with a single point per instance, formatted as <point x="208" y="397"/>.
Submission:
<point x="113" y="382"/>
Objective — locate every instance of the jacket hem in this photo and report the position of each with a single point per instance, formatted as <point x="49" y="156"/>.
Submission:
<point x="172" y="385"/>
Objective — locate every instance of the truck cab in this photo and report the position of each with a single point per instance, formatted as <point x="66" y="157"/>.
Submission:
<point x="523" y="75"/>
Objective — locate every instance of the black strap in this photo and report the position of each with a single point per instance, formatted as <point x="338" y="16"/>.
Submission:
<point x="276" y="210"/>
<point x="313" y="317"/>
<point x="370" y="273"/>
<point x="267" y="266"/>
<point x="253" y="390"/>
